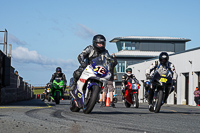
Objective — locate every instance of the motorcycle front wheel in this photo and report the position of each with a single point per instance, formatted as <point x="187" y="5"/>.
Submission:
<point x="57" y="97"/>
<point x="90" y="101"/>
<point x="158" y="101"/>
<point x="135" y="101"/>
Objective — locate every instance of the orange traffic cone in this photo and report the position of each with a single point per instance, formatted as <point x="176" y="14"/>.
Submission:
<point x="108" y="99"/>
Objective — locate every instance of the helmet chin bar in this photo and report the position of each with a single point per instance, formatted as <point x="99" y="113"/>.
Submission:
<point x="99" y="48"/>
<point x="129" y="74"/>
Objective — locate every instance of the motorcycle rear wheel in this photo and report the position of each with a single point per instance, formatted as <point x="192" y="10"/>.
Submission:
<point x="88" y="107"/>
<point x="158" y="102"/>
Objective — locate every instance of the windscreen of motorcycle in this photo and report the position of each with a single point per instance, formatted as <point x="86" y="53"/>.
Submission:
<point x="100" y="66"/>
<point x="163" y="72"/>
<point x="133" y="84"/>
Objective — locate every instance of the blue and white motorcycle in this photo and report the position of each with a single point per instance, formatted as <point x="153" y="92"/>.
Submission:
<point x="89" y="85"/>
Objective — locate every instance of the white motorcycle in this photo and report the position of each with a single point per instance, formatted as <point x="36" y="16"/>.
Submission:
<point x="89" y="85"/>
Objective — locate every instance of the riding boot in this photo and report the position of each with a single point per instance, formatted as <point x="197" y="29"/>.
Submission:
<point x="150" y="97"/>
<point x="72" y="88"/>
<point x="166" y="95"/>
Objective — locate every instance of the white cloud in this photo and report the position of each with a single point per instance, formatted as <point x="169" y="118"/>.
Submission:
<point x="85" y="32"/>
<point x="24" y="55"/>
<point x="13" y="39"/>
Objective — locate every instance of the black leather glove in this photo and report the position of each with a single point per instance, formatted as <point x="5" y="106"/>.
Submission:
<point x="148" y="76"/>
<point x="83" y="64"/>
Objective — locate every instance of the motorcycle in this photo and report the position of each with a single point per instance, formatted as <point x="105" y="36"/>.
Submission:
<point x="160" y="85"/>
<point x="89" y="85"/>
<point x="57" y="88"/>
<point x="131" y="94"/>
<point x="47" y="94"/>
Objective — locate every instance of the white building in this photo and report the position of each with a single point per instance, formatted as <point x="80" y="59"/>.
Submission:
<point x="187" y="66"/>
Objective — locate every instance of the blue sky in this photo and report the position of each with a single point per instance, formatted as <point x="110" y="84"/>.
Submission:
<point x="47" y="33"/>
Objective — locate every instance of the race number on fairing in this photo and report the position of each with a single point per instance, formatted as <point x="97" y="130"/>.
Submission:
<point x="100" y="70"/>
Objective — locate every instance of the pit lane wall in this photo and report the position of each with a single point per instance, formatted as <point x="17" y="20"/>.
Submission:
<point x="12" y="86"/>
<point x="187" y="66"/>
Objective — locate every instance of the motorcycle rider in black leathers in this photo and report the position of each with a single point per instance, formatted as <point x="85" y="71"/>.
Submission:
<point x="128" y="75"/>
<point x="88" y="54"/>
<point x="163" y="64"/>
<point x="59" y="75"/>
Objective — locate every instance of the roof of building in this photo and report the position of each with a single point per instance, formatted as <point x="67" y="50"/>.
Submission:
<point x="149" y="38"/>
<point x="171" y="54"/>
<point x="135" y="53"/>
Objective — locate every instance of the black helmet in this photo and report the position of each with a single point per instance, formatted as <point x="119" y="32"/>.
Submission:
<point x="163" y="58"/>
<point x="58" y="69"/>
<point x="99" y="39"/>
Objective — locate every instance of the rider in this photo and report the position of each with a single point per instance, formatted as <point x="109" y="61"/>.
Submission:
<point x="127" y="76"/>
<point x="89" y="53"/>
<point x="162" y="65"/>
<point x="59" y="75"/>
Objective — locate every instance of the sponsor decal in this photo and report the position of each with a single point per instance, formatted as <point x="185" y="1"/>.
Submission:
<point x="79" y="95"/>
<point x="83" y="80"/>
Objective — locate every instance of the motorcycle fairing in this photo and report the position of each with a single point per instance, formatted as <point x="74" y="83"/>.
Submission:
<point x="79" y="97"/>
<point x="128" y="94"/>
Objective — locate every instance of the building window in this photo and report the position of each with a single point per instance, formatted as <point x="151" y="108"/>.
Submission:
<point x="120" y="67"/>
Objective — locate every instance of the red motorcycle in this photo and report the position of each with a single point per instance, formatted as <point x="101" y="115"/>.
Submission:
<point x="131" y="94"/>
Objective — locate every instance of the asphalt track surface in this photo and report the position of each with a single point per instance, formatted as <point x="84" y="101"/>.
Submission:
<point x="36" y="116"/>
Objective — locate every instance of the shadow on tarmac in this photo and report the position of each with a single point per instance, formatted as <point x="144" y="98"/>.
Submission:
<point x="186" y="113"/>
<point x="117" y="112"/>
<point x="32" y="102"/>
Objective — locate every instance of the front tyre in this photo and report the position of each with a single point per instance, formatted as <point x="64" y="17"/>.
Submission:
<point x="91" y="100"/>
<point x="135" y="101"/>
<point x="158" y="102"/>
<point x="57" y="97"/>
<point x="73" y="106"/>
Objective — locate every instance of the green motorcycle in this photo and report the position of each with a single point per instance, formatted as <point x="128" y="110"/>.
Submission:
<point x="56" y="88"/>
